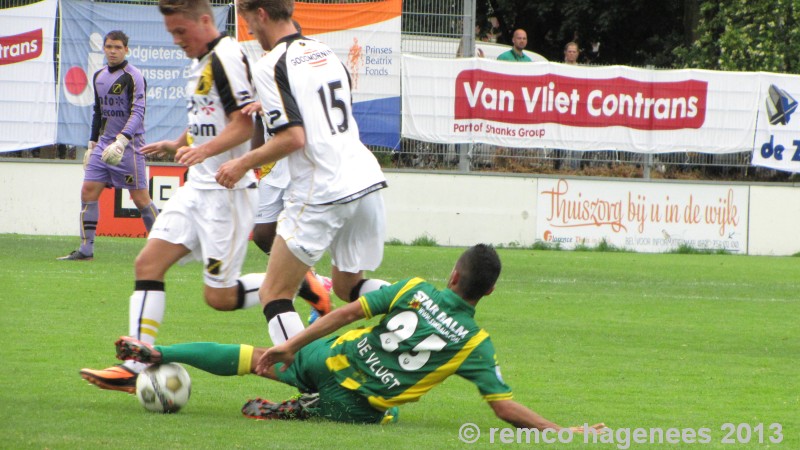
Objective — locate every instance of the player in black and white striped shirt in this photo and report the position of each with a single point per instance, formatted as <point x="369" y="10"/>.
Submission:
<point x="202" y="220"/>
<point x="333" y="202"/>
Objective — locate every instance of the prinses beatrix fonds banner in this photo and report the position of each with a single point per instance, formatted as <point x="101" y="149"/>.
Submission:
<point x="27" y="90"/>
<point x="366" y="38"/>
<point x="84" y="24"/>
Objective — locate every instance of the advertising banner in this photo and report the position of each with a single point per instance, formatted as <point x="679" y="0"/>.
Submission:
<point x="777" y="142"/>
<point x="550" y="105"/>
<point x="642" y="217"/>
<point x="84" y="24"/>
<point x="366" y="38"/>
<point x="119" y="215"/>
<point x="27" y="71"/>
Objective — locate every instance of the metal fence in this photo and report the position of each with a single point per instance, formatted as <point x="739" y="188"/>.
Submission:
<point x="445" y="25"/>
<point x="444" y="29"/>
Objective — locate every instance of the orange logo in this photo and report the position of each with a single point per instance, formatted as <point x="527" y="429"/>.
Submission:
<point x="355" y="60"/>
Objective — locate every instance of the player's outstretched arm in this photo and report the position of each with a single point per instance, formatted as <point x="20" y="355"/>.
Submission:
<point x="322" y="327"/>
<point x="162" y="148"/>
<point x="521" y="417"/>
<point x="238" y="130"/>
<point x="279" y="146"/>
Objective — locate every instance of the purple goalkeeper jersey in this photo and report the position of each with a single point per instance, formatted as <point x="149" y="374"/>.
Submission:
<point x="119" y="104"/>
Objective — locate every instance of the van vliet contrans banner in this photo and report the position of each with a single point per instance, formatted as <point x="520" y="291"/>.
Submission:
<point x="551" y="105"/>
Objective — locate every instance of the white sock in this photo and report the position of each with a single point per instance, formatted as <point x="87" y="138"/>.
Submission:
<point x="285" y="325"/>
<point x="145" y="315"/>
<point x="372" y="284"/>
<point x="248" y="290"/>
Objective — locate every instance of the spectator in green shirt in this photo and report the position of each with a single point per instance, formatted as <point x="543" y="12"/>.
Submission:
<point x="520" y="41"/>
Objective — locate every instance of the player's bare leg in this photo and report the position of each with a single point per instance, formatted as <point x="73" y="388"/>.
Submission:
<point x="284" y="274"/>
<point x="312" y="288"/>
<point x="159" y="255"/>
<point x="156" y="258"/>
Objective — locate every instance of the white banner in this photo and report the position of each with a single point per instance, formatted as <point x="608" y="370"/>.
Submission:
<point x="551" y="105"/>
<point x="27" y="71"/>
<point x="777" y="142"/>
<point x="642" y="217"/>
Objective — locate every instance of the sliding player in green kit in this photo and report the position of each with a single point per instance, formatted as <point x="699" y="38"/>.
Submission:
<point x="425" y="336"/>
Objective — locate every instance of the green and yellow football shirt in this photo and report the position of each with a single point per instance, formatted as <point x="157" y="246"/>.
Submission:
<point x="425" y="336"/>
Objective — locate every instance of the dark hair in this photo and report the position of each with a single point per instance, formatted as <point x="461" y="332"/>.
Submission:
<point x="478" y="267"/>
<point x="277" y="9"/>
<point x="116" y="35"/>
<point x="192" y="9"/>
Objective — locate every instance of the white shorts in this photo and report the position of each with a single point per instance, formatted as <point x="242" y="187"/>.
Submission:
<point x="214" y="224"/>
<point x="270" y="203"/>
<point x="354" y="232"/>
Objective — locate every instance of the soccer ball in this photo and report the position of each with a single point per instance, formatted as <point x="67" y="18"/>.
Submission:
<point x="164" y="388"/>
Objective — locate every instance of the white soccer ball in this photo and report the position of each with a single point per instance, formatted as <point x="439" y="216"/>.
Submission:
<point x="164" y="388"/>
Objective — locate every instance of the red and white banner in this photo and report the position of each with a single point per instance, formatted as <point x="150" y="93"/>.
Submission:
<point x="27" y="71"/>
<point x="552" y="105"/>
<point x="643" y="217"/>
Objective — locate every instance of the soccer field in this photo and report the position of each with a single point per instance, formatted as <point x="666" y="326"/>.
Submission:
<point x="690" y="343"/>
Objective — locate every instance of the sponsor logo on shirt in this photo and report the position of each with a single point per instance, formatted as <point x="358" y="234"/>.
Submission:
<point x="315" y="58"/>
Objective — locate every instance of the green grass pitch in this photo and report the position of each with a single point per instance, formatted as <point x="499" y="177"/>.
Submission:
<point x="633" y="340"/>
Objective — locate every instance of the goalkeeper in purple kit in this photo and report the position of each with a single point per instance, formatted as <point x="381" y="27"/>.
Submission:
<point x="112" y="157"/>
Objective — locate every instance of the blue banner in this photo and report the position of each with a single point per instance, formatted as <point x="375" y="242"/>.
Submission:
<point x="84" y="23"/>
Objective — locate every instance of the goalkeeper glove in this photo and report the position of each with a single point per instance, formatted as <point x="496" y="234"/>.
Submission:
<point x="88" y="154"/>
<point x="112" y="155"/>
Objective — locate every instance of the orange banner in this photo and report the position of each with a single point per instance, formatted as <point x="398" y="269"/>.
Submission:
<point x="317" y="18"/>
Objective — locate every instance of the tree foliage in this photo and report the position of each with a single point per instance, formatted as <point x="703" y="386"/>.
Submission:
<point x="634" y="32"/>
<point x="738" y="35"/>
<point x="745" y="35"/>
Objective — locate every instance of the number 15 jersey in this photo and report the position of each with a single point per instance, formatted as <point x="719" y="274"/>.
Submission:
<point x="301" y="82"/>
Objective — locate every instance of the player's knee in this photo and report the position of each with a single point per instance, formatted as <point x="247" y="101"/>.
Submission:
<point x="90" y="193"/>
<point x="265" y="244"/>
<point x="146" y="268"/>
<point x="343" y="288"/>
<point x="221" y="299"/>
<point x="264" y="236"/>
